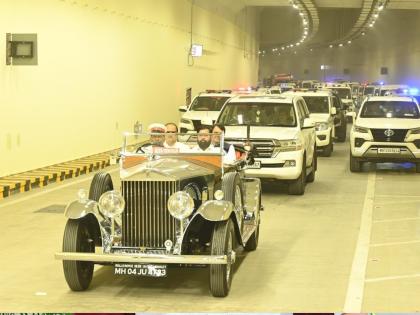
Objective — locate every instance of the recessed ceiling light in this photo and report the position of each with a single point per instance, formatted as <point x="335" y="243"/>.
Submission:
<point x="331" y="46"/>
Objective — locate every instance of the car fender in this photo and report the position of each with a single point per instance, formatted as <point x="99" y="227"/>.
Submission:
<point x="77" y="210"/>
<point x="216" y="210"/>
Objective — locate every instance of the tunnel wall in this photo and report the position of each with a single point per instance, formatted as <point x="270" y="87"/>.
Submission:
<point x="103" y="65"/>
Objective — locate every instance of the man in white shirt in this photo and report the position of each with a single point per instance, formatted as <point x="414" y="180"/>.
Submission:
<point x="171" y="138"/>
<point x="229" y="149"/>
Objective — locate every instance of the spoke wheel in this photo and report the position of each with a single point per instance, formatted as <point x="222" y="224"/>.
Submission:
<point x="78" y="237"/>
<point x="222" y="243"/>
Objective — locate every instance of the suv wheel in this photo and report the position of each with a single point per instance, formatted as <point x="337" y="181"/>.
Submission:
<point x="329" y="148"/>
<point x="342" y="132"/>
<point x="355" y="164"/>
<point x="297" y="187"/>
<point x="311" y="177"/>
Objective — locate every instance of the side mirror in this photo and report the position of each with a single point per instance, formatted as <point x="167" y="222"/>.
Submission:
<point x="183" y="108"/>
<point x="333" y="111"/>
<point x="308" y="123"/>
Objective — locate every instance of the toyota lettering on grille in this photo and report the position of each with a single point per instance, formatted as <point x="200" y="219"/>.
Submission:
<point x="389" y="132"/>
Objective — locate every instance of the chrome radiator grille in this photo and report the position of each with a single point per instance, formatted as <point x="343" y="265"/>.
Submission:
<point x="146" y="221"/>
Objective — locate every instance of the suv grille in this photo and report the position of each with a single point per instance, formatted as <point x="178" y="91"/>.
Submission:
<point x="197" y="124"/>
<point x="146" y="221"/>
<point x="395" y="135"/>
<point x="263" y="147"/>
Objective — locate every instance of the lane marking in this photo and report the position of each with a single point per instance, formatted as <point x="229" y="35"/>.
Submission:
<point x="354" y="296"/>
<point x="396" y="220"/>
<point x="416" y="275"/>
<point x="395" y="243"/>
<point x="397" y="195"/>
<point x="46" y="190"/>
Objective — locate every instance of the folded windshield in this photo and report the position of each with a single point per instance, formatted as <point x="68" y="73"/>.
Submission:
<point x="390" y="109"/>
<point x="169" y="143"/>
<point x="258" y="114"/>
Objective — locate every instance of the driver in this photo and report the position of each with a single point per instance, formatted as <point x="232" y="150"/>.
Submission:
<point x="155" y="139"/>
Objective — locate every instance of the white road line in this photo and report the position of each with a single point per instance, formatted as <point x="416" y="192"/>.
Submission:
<point x="396" y="220"/>
<point x="397" y="196"/>
<point x="354" y="296"/>
<point x="395" y="243"/>
<point x="416" y="275"/>
<point x="46" y="190"/>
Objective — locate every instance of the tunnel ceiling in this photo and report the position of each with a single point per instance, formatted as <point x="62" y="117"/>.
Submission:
<point x="331" y="22"/>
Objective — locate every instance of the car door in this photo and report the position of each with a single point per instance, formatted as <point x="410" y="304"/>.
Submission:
<point x="338" y="117"/>
<point x="311" y="132"/>
<point x="331" y="119"/>
<point x="307" y="133"/>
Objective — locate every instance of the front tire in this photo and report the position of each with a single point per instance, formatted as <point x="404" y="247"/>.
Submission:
<point x="297" y="187"/>
<point x="355" y="164"/>
<point x="327" y="151"/>
<point x="222" y="243"/>
<point x="342" y="132"/>
<point x="78" y="237"/>
<point x="101" y="183"/>
<point x="311" y="177"/>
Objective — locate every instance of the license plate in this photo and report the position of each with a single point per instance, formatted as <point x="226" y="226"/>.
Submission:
<point x="145" y="270"/>
<point x="389" y="150"/>
<point x="257" y="164"/>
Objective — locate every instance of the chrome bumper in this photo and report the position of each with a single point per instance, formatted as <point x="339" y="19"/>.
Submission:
<point x="144" y="258"/>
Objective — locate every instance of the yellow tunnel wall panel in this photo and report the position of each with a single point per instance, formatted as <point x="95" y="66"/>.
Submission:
<point x="103" y="65"/>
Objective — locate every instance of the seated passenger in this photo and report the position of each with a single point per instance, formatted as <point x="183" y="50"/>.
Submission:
<point x="171" y="139"/>
<point x="204" y="141"/>
<point x="229" y="149"/>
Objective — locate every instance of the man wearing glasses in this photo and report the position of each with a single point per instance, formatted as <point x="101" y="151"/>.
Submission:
<point x="171" y="138"/>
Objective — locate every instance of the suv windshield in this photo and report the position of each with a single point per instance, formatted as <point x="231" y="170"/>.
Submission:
<point x="390" y="109"/>
<point x="317" y="104"/>
<point x="368" y="90"/>
<point x="343" y="93"/>
<point x="208" y="103"/>
<point x="258" y="114"/>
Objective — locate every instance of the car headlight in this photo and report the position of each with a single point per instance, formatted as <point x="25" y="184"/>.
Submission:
<point x="111" y="203"/>
<point x="180" y="205"/>
<point x="415" y="131"/>
<point x="287" y="145"/>
<point x="361" y="129"/>
<point x="320" y="126"/>
<point x="186" y="121"/>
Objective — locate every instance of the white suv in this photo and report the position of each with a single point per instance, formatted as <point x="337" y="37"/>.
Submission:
<point x="322" y="112"/>
<point x="387" y="129"/>
<point x="204" y="107"/>
<point x="344" y="92"/>
<point x="282" y="134"/>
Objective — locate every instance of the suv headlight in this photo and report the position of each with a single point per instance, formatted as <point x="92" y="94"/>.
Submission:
<point x="287" y="145"/>
<point x="111" y="203"/>
<point x="320" y="126"/>
<point x="180" y="205"/>
<point x="361" y="129"/>
<point x="415" y="131"/>
<point x="186" y="121"/>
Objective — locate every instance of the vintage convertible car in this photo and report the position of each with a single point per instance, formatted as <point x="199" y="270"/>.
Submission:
<point x="174" y="207"/>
